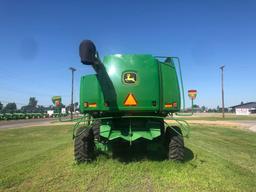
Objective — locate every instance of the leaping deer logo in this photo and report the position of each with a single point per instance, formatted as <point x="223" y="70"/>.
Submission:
<point x="130" y="77"/>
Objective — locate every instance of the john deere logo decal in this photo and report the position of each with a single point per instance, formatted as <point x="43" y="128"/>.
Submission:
<point x="130" y="77"/>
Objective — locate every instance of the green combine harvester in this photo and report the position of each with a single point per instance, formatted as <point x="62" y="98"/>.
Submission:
<point x="127" y="101"/>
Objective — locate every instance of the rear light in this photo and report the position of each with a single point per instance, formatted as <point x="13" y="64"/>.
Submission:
<point x="85" y="104"/>
<point x="92" y="104"/>
<point x="168" y="105"/>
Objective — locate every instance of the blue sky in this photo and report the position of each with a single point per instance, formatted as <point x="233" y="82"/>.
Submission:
<point x="39" y="41"/>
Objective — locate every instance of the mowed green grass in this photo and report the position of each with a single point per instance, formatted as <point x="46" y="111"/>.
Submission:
<point x="228" y="117"/>
<point x="41" y="159"/>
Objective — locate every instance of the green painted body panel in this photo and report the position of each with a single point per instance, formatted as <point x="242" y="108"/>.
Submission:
<point x="146" y="69"/>
<point x="131" y="129"/>
<point x="155" y="82"/>
<point x="170" y="83"/>
<point x="90" y="91"/>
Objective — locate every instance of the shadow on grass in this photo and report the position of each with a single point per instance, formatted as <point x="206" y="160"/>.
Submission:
<point x="189" y="155"/>
<point x="140" y="151"/>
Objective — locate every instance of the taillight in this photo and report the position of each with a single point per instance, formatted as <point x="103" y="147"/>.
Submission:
<point x="92" y="104"/>
<point x="168" y="105"/>
<point x="85" y="104"/>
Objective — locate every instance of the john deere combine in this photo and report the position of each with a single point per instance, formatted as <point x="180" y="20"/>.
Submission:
<point x="128" y="100"/>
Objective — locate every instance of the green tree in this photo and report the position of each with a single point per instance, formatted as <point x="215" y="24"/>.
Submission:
<point x="10" y="108"/>
<point x="203" y="108"/>
<point x="32" y="102"/>
<point x="31" y="107"/>
<point x="1" y="106"/>
<point x="41" y="109"/>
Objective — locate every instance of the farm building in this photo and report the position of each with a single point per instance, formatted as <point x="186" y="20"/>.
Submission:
<point x="245" y="108"/>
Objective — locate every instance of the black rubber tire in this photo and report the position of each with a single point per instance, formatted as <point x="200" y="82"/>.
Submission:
<point x="96" y="129"/>
<point x="84" y="145"/>
<point x="175" y="143"/>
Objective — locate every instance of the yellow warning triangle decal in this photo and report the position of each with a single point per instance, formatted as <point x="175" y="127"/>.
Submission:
<point x="130" y="100"/>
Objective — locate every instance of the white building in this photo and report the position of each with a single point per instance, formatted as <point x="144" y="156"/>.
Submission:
<point x="245" y="108"/>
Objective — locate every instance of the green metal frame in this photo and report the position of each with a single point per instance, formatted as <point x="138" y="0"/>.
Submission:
<point x="109" y="87"/>
<point x="181" y="83"/>
<point x="182" y="90"/>
<point x="86" y="120"/>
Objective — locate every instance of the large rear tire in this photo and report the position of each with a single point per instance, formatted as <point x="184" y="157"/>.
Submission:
<point x="96" y="129"/>
<point x="84" y="145"/>
<point x="175" y="143"/>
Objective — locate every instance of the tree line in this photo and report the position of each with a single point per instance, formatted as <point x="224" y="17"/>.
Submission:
<point x="31" y="107"/>
<point x="203" y="108"/>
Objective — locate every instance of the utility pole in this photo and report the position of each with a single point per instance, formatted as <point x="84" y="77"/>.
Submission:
<point x="72" y="91"/>
<point x="222" y="90"/>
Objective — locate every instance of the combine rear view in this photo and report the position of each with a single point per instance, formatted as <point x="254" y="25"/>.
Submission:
<point x="127" y="100"/>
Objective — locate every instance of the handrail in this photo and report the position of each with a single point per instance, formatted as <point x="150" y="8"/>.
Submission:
<point x="182" y="90"/>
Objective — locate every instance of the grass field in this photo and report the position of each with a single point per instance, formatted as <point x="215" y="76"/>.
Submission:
<point x="218" y="117"/>
<point x="41" y="159"/>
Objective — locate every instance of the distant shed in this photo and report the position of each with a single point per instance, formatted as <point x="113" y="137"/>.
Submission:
<point x="245" y="108"/>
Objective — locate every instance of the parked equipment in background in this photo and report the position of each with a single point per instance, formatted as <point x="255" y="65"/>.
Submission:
<point x="17" y="116"/>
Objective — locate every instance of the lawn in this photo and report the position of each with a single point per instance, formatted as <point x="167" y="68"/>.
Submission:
<point x="41" y="159"/>
<point x="218" y="117"/>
